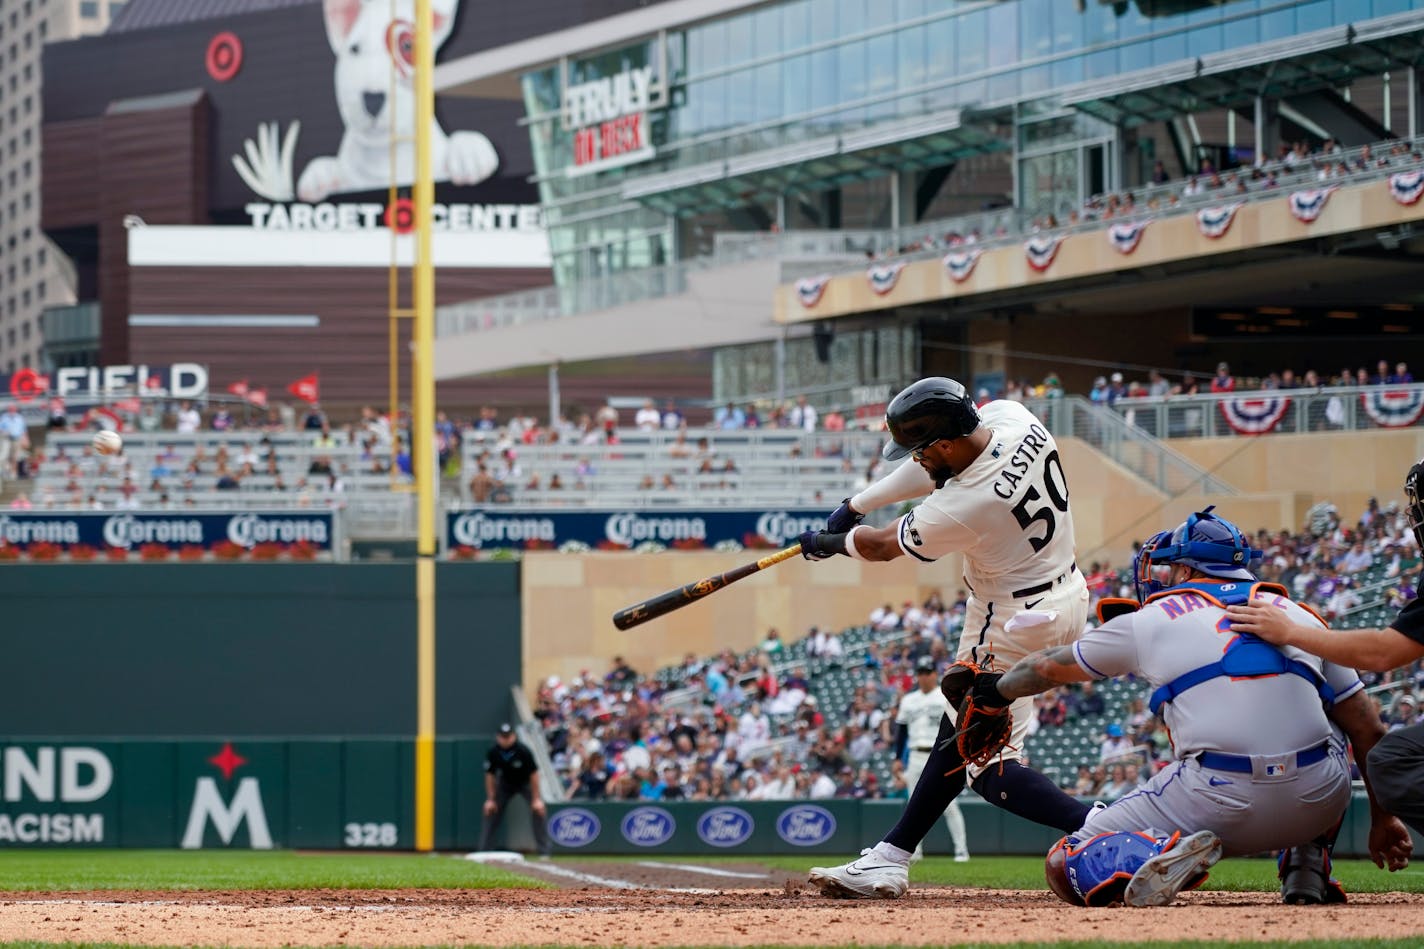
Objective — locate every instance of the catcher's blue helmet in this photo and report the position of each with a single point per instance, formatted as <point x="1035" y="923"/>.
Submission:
<point x="1204" y="542"/>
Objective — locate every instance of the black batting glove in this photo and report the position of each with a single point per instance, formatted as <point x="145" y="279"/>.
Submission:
<point x="986" y="691"/>
<point x="843" y="518"/>
<point x="820" y="545"/>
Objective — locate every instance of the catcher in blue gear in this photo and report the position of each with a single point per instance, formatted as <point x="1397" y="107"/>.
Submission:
<point x="1231" y="790"/>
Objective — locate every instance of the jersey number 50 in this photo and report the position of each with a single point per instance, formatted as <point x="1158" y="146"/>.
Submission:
<point x="1056" y="487"/>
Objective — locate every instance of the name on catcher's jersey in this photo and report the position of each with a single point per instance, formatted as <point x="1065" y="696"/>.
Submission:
<point x="1173" y="635"/>
<point x="1007" y="512"/>
<point x="921" y="712"/>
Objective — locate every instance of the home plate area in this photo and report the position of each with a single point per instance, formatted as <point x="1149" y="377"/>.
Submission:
<point x="657" y="903"/>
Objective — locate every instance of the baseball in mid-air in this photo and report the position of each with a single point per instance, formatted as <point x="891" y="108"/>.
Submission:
<point x="107" y="443"/>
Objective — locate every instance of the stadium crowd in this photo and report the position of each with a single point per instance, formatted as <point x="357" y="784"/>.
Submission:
<point x="222" y="453"/>
<point x="767" y="723"/>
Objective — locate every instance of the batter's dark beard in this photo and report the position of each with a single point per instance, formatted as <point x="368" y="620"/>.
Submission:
<point x="941" y="475"/>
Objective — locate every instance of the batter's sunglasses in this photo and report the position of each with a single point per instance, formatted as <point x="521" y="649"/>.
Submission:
<point x="918" y="453"/>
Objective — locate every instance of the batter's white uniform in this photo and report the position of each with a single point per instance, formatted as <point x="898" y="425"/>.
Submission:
<point x="920" y="713"/>
<point x="1008" y="513"/>
<point x="1258" y="762"/>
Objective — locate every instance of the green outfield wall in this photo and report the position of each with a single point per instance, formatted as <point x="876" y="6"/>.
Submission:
<point x="262" y="650"/>
<point x="330" y="794"/>
<point x="273" y="705"/>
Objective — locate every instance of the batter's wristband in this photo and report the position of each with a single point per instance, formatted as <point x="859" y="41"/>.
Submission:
<point x="851" y="550"/>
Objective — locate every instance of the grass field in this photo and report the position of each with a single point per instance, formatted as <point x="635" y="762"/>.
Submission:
<point x="71" y="870"/>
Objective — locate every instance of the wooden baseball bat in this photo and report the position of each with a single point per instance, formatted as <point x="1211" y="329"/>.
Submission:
<point x="665" y="603"/>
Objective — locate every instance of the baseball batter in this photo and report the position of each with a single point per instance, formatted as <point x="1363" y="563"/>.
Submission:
<point x="996" y="493"/>
<point x="921" y="711"/>
<point x="1258" y="764"/>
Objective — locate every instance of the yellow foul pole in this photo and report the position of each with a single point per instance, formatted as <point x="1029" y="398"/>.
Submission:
<point x="422" y="432"/>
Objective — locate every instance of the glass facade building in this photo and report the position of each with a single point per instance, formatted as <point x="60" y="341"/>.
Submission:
<point x="806" y="113"/>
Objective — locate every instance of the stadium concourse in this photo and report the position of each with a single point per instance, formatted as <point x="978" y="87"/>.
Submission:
<point x="812" y="717"/>
<point x="1297" y="165"/>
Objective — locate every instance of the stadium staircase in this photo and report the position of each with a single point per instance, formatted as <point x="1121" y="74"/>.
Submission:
<point x="1124" y="443"/>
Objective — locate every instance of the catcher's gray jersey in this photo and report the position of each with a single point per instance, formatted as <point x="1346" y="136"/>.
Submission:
<point x="1258" y="761"/>
<point x="1178" y="632"/>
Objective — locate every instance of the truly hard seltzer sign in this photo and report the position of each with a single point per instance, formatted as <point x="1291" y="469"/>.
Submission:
<point x="609" y="120"/>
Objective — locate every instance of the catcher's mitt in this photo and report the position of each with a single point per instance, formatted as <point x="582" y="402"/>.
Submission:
<point x="983" y="724"/>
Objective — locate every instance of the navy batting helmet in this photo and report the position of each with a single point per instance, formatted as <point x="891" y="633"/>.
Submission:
<point x="926" y="412"/>
<point x="1204" y="542"/>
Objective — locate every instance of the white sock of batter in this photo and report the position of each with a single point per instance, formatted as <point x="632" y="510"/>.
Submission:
<point x="892" y="853"/>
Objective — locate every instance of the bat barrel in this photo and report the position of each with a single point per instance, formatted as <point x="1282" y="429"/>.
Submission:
<point x="664" y="603"/>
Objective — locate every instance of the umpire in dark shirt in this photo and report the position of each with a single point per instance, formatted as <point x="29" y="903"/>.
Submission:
<point x="510" y="770"/>
<point x="1396" y="762"/>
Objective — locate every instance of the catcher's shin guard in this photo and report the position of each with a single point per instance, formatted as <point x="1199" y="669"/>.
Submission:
<point x="1305" y="877"/>
<point x="1137" y="869"/>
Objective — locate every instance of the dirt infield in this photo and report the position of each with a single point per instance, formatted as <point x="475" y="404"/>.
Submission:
<point x="629" y="904"/>
<point x="598" y="917"/>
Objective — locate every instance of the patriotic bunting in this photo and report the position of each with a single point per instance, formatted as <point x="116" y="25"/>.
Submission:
<point x="1394" y="408"/>
<point x="1126" y="236"/>
<point x="1041" y="250"/>
<point x="960" y="264"/>
<point x="1255" y="415"/>
<point x="1306" y="206"/>
<point x="1215" y="222"/>
<point x="884" y="277"/>
<point x="810" y="289"/>
<point x="1406" y="186"/>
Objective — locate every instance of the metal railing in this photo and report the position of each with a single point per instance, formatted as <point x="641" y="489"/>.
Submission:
<point x="1263" y="411"/>
<point x="1135" y="448"/>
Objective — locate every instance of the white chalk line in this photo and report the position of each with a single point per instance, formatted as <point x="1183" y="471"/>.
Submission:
<point x="501" y="857"/>
<point x="693" y="868"/>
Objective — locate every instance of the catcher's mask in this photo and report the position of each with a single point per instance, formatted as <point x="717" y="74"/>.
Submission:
<point x="1204" y="542"/>
<point x="1414" y="492"/>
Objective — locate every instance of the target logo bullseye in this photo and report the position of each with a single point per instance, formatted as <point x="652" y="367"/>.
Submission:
<point x="224" y="57"/>
<point x="400" y="216"/>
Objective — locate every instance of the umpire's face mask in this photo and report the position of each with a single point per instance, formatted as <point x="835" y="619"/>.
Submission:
<point x="1414" y="493"/>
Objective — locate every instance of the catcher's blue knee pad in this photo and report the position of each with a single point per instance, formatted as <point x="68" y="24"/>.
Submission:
<point x="1095" y="871"/>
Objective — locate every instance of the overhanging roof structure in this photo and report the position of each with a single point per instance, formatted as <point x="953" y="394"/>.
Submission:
<point x="1277" y="69"/>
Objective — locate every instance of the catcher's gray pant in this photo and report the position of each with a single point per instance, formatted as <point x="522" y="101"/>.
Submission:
<point x="502" y="796"/>
<point x="1251" y="813"/>
<point x="953" y="816"/>
<point x="1396" y="768"/>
